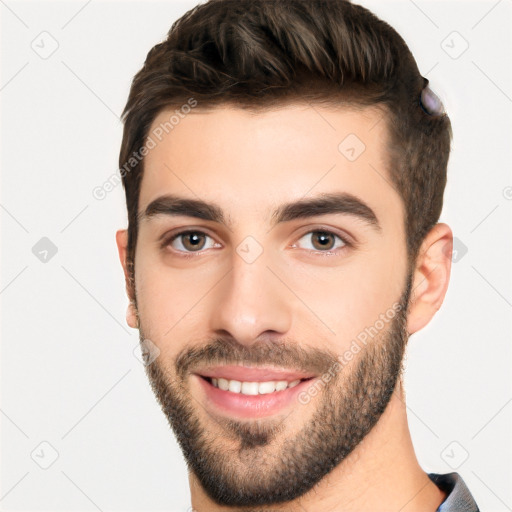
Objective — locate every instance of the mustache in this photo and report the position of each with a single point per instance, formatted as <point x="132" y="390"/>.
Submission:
<point x="267" y="352"/>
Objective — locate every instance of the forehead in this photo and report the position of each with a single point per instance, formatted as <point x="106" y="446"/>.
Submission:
<point x="252" y="162"/>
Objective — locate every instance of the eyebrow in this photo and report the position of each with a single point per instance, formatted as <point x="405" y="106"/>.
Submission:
<point x="322" y="204"/>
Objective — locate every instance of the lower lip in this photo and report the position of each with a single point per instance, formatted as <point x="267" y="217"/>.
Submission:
<point x="251" y="406"/>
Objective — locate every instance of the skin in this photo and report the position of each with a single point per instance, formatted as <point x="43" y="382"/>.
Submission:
<point x="248" y="164"/>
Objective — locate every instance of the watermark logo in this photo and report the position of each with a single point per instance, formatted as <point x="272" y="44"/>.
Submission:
<point x="148" y="352"/>
<point x="455" y="455"/>
<point x="460" y="249"/>
<point x="351" y="147"/>
<point x="44" y="250"/>
<point x="454" y="45"/>
<point x="249" y="249"/>
<point x="44" y="455"/>
<point x="45" y="45"/>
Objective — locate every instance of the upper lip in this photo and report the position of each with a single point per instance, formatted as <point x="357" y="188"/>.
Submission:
<point x="253" y="374"/>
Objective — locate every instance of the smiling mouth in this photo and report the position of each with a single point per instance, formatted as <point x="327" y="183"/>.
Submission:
<point x="253" y="388"/>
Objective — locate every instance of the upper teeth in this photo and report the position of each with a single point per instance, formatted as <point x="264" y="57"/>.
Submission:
<point x="253" y="388"/>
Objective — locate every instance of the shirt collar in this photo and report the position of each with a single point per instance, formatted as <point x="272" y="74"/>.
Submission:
<point x="459" y="498"/>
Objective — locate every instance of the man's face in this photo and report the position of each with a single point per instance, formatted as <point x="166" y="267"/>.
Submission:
<point x="313" y="290"/>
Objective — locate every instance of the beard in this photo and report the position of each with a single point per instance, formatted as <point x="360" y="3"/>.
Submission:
<point x="246" y="463"/>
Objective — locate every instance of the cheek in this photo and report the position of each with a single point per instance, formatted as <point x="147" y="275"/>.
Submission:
<point x="346" y="299"/>
<point x="171" y="300"/>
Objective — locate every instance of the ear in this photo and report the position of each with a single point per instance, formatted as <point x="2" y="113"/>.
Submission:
<point x="122" y="244"/>
<point x="431" y="277"/>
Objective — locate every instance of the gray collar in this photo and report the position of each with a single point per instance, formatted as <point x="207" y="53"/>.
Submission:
<point x="459" y="498"/>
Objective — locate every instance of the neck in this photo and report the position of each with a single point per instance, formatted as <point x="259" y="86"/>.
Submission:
<point x="382" y="473"/>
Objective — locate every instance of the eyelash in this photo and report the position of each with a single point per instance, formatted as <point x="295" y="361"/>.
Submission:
<point x="192" y="254"/>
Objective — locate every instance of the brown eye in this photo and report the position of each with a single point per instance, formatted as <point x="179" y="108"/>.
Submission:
<point x="323" y="241"/>
<point x="189" y="241"/>
<point x="193" y="241"/>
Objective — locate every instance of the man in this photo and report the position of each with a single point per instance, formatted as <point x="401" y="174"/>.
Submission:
<point x="284" y="164"/>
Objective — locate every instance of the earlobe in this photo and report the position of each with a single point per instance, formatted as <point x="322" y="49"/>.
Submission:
<point x="131" y="316"/>
<point x="131" y="311"/>
<point x="431" y="277"/>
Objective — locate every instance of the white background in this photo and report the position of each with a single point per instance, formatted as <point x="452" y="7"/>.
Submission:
<point x="69" y="376"/>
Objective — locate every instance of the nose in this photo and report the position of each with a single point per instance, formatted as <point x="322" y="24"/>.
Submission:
<point x="251" y="301"/>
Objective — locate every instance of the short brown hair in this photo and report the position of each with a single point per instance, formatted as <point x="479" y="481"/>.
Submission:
<point x="258" y="54"/>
